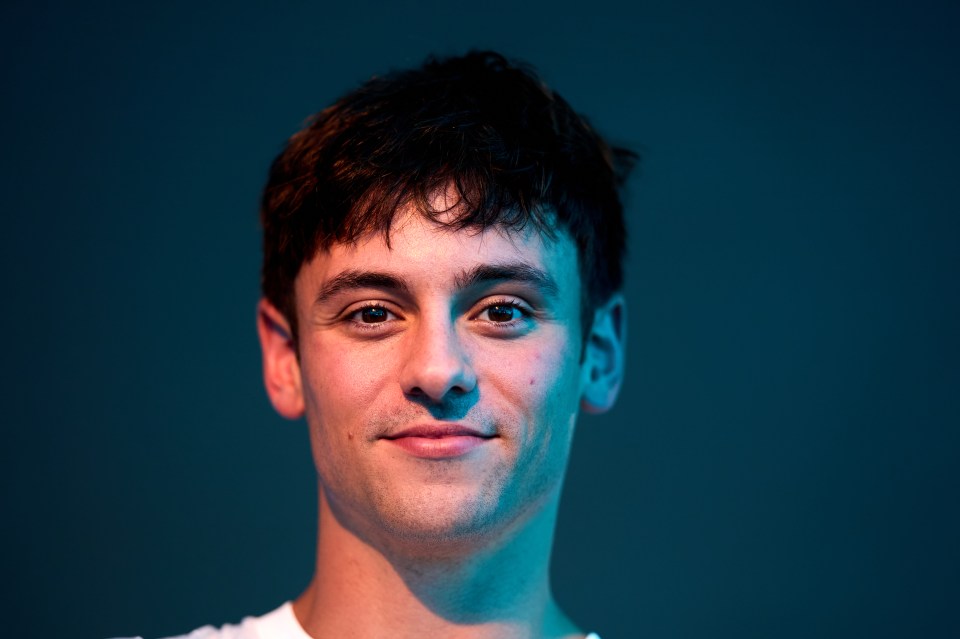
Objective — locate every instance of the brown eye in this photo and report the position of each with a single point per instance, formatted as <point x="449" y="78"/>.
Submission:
<point x="373" y="315"/>
<point x="501" y="313"/>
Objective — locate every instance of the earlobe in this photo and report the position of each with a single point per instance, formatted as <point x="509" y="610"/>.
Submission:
<point x="603" y="362"/>
<point x="281" y="368"/>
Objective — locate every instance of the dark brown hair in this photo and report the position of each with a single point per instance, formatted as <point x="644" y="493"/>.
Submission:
<point x="515" y="151"/>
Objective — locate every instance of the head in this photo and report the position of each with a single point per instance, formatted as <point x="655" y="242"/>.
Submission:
<point x="514" y="152"/>
<point x="442" y="258"/>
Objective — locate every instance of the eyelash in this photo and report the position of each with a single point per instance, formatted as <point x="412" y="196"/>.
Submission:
<point x="352" y="317"/>
<point x="524" y="312"/>
<point x="368" y="326"/>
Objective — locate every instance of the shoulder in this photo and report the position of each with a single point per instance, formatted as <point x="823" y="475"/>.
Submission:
<point x="278" y="624"/>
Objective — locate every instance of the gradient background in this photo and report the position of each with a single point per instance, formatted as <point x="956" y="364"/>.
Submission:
<point x="783" y="462"/>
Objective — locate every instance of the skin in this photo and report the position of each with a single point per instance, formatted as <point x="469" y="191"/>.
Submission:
<point x="398" y="336"/>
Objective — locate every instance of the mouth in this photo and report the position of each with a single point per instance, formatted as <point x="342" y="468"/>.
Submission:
<point x="438" y="441"/>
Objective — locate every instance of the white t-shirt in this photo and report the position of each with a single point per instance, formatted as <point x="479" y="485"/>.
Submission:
<point x="279" y="624"/>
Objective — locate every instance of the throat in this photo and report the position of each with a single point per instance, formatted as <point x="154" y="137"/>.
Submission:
<point x="500" y="590"/>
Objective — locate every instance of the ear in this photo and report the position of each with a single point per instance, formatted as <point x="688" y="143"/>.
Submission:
<point x="601" y="372"/>
<point x="281" y="369"/>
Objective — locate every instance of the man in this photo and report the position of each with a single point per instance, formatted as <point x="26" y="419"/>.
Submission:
<point x="442" y="265"/>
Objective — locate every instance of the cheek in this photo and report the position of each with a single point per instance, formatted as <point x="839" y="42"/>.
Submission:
<point x="542" y="382"/>
<point x="340" y="383"/>
<point x="342" y="390"/>
<point x="540" y="391"/>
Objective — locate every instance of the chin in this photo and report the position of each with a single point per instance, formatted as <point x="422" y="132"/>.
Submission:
<point x="442" y="513"/>
<point x="444" y="520"/>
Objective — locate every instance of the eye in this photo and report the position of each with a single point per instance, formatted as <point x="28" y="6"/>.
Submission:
<point x="370" y="316"/>
<point x="373" y="314"/>
<point x="505" y="313"/>
<point x="501" y="312"/>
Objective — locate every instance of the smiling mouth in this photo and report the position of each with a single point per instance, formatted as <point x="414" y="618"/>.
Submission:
<point x="438" y="441"/>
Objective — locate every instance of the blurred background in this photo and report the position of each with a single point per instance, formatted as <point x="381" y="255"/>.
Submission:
<point x="784" y="458"/>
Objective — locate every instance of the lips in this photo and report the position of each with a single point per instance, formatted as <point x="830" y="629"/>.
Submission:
<point x="438" y="441"/>
<point x="437" y="431"/>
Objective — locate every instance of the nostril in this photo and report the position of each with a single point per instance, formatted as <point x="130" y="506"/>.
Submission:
<point x="441" y="387"/>
<point x="436" y="366"/>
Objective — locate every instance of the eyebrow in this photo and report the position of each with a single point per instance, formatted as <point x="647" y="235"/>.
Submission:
<point x="355" y="279"/>
<point x="477" y="276"/>
<point x="510" y="272"/>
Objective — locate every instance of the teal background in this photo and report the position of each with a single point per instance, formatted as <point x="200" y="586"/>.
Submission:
<point x="783" y="462"/>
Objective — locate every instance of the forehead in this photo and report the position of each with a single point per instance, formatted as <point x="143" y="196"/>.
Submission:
<point x="423" y="251"/>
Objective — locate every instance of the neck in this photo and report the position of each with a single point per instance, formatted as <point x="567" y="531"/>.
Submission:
<point x="487" y="588"/>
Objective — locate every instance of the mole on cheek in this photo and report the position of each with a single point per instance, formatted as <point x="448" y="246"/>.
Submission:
<point x="350" y="436"/>
<point x="532" y="380"/>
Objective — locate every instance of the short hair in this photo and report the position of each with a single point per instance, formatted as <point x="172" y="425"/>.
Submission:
<point x="515" y="151"/>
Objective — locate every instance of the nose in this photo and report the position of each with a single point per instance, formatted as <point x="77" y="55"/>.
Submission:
<point x="436" y="367"/>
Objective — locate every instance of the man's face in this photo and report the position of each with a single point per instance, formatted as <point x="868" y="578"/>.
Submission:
<point x="441" y="377"/>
